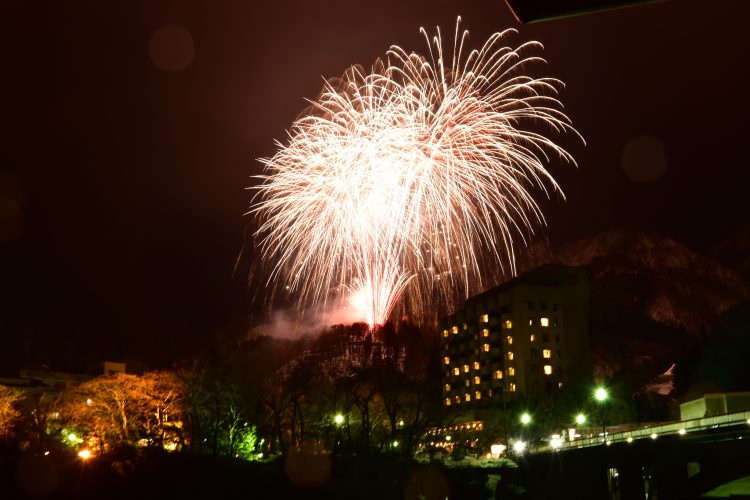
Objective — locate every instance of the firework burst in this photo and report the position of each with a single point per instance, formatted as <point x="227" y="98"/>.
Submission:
<point x="412" y="180"/>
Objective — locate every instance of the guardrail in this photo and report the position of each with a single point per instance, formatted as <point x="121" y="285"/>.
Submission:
<point x="683" y="427"/>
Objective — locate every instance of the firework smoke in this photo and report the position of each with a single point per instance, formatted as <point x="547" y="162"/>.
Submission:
<point x="412" y="180"/>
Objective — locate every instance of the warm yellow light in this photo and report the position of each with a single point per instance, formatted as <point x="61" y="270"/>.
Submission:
<point x="512" y="387"/>
<point x="466" y="368"/>
<point x="476" y="365"/>
<point x="548" y="369"/>
<point x="532" y="337"/>
<point x="454" y="329"/>
<point x="447" y="387"/>
<point x="682" y="431"/>
<point x="447" y="360"/>
<point x="544" y="321"/>
<point x="445" y="333"/>
<point x="338" y="419"/>
<point x="447" y="401"/>
<point x="546" y="353"/>
<point x="478" y="395"/>
<point x="509" y="340"/>
<point x="484" y="318"/>
<point x="485" y="348"/>
<point x="477" y="380"/>
<point x="508" y="355"/>
<point x="497" y="449"/>
<point x="85" y="454"/>
<point x="456" y="371"/>
<point x="508" y="324"/>
<point x="467" y="397"/>
<point x="485" y="333"/>
<point x="498" y="375"/>
<point x="511" y="371"/>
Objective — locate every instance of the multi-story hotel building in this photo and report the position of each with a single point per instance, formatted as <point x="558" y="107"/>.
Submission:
<point x="524" y="338"/>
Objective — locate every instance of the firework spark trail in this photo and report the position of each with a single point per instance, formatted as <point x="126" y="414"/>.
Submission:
<point x="412" y="179"/>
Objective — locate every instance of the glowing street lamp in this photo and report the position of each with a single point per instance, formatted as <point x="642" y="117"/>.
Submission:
<point x="338" y="419"/>
<point x="580" y="419"/>
<point x="601" y="395"/>
<point x="525" y="419"/>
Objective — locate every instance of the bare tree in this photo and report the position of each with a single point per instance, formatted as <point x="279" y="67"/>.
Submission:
<point x="9" y="413"/>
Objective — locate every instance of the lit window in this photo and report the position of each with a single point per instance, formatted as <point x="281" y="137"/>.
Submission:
<point x="532" y="337"/>
<point x="498" y="375"/>
<point x="511" y="387"/>
<point x="476" y="365"/>
<point x="456" y="371"/>
<point x="467" y="383"/>
<point x="548" y="369"/>
<point x="544" y="321"/>
<point x="547" y="353"/>
<point x="485" y="333"/>
<point x="457" y="399"/>
<point x="511" y="372"/>
<point x="485" y="348"/>
<point x="465" y="326"/>
<point x="477" y="380"/>
<point x="507" y="324"/>
<point x="445" y="333"/>
<point x="447" y="387"/>
<point x="467" y="397"/>
<point x="509" y="340"/>
<point x="508" y="355"/>
<point x="454" y="330"/>
<point x="478" y="395"/>
<point x="446" y="360"/>
<point x="466" y="368"/>
<point x="484" y="318"/>
<point x="531" y="321"/>
<point x="559" y="385"/>
<point x="447" y="401"/>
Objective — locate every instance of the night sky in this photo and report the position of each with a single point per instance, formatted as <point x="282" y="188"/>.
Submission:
<point x="131" y="131"/>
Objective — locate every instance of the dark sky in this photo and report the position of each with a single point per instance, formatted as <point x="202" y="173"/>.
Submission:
<point x="127" y="145"/>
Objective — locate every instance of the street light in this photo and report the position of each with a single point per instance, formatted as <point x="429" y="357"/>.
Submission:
<point x="525" y="419"/>
<point x="338" y="419"/>
<point x="580" y="419"/>
<point x="601" y="395"/>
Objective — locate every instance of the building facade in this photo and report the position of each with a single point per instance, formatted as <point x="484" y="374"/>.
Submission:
<point x="522" y="339"/>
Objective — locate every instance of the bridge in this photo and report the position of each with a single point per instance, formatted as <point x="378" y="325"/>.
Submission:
<point x="674" y="460"/>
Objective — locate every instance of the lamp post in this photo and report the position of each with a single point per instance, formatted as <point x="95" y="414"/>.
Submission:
<point x="601" y="396"/>
<point x="525" y="421"/>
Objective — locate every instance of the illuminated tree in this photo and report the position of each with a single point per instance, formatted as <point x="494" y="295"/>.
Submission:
<point x="220" y="410"/>
<point x="43" y="421"/>
<point x="127" y="409"/>
<point x="9" y="414"/>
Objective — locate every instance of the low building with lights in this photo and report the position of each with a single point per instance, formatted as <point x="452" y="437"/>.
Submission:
<point x="522" y="339"/>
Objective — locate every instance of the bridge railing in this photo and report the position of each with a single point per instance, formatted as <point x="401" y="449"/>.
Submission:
<point x="682" y="427"/>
